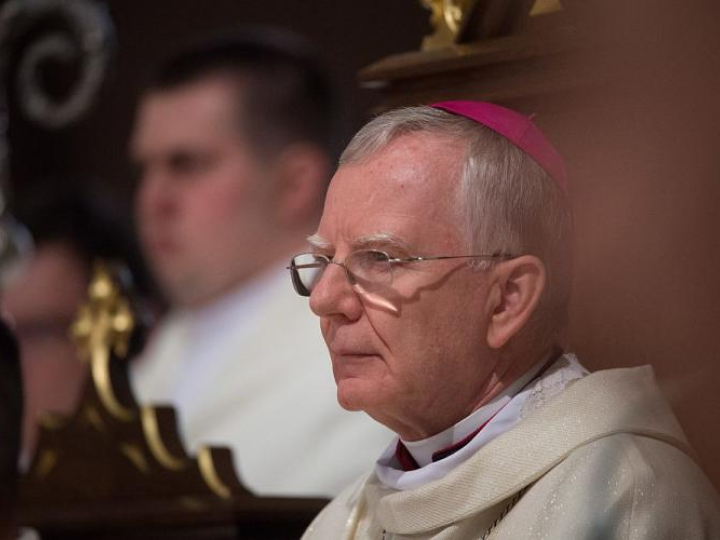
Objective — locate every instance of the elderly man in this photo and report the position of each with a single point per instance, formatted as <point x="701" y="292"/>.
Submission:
<point x="440" y="275"/>
<point x="233" y="141"/>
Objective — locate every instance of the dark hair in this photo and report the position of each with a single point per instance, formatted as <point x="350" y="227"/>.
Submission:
<point x="284" y="93"/>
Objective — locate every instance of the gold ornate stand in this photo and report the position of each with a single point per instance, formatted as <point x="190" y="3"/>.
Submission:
<point x="515" y="52"/>
<point x="117" y="469"/>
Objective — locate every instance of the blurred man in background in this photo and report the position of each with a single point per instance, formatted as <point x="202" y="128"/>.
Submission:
<point x="41" y="300"/>
<point x="233" y="140"/>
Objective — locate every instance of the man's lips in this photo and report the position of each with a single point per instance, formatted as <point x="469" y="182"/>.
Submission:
<point x="353" y="353"/>
<point x="352" y="363"/>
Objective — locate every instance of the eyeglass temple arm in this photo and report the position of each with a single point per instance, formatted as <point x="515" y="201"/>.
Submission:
<point x="441" y="257"/>
<point x="302" y="266"/>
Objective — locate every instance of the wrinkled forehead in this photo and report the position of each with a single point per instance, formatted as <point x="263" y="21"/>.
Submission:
<point x="407" y="187"/>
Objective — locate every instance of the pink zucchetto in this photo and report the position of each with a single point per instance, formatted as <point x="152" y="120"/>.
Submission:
<point x="518" y="129"/>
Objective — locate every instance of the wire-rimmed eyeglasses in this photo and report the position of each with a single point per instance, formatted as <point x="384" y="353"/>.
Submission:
<point x="368" y="268"/>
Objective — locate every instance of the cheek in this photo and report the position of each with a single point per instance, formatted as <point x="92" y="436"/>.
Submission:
<point x="213" y="208"/>
<point x="431" y="334"/>
<point x="325" y="329"/>
<point x="409" y="347"/>
<point x="51" y="371"/>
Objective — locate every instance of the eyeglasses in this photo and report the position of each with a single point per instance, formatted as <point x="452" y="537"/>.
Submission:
<point x="367" y="268"/>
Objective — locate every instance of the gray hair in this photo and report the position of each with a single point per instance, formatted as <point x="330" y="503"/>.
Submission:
<point x="509" y="203"/>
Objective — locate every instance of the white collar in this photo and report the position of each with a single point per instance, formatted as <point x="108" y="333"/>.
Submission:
<point x="422" y="451"/>
<point x="552" y="381"/>
<point x="188" y="340"/>
<point x="238" y="304"/>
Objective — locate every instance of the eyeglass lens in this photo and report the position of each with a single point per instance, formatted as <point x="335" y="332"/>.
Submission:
<point x="366" y="268"/>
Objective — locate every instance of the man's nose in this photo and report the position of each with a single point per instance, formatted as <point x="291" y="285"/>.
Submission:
<point x="155" y="197"/>
<point x="334" y="295"/>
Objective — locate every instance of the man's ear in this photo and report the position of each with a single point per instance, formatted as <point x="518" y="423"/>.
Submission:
<point x="517" y="290"/>
<point x="302" y="175"/>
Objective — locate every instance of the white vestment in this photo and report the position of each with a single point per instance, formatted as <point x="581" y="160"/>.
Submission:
<point x="252" y="372"/>
<point x="604" y="459"/>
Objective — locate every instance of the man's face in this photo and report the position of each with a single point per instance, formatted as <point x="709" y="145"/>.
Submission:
<point x="411" y="356"/>
<point x="42" y="303"/>
<point x="202" y="197"/>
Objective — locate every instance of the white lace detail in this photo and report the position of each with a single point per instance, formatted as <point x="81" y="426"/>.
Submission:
<point x="562" y="373"/>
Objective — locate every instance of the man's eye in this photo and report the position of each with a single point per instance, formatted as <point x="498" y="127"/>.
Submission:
<point x="188" y="164"/>
<point x="377" y="256"/>
<point x="371" y="260"/>
<point x="321" y="259"/>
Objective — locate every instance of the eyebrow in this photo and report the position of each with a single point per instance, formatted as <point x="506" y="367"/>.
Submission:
<point x="370" y="241"/>
<point x="318" y="242"/>
<point x="381" y="240"/>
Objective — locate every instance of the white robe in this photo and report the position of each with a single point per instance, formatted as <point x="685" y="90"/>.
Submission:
<point x="252" y="372"/>
<point x="603" y="460"/>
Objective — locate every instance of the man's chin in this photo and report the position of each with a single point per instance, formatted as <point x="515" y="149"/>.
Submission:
<point x="351" y="395"/>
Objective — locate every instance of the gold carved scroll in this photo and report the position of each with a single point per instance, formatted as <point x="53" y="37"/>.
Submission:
<point x="447" y="18"/>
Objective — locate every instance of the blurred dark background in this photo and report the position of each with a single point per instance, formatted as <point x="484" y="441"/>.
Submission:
<point x="349" y="35"/>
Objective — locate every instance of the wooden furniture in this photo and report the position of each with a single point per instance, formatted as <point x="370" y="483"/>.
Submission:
<point x="523" y="60"/>
<point x="118" y="469"/>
